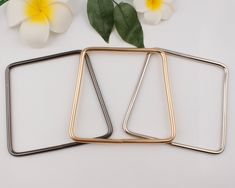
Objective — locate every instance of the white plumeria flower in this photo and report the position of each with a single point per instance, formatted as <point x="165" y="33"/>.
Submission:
<point x="154" y="10"/>
<point x="37" y="18"/>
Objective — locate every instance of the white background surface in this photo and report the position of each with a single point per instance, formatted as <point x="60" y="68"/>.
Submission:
<point x="42" y="97"/>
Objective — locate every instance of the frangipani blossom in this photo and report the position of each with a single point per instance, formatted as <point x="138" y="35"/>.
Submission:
<point x="37" y="18"/>
<point x="154" y="10"/>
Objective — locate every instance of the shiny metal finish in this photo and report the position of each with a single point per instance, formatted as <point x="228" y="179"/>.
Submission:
<point x="78" y="89"/>
<point x="8" y="104"/>
<point x="224" y="98"/>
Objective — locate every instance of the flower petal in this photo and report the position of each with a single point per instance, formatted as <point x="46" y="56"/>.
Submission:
<point x="153" y="17"/>
<point x="167" y="11"/>
<point x="15" y="12"/>
<point x="74" y="6"/>
<point x="140" y="5"/>
<point x="61" y="19"/>
<point x="35" y="33"/>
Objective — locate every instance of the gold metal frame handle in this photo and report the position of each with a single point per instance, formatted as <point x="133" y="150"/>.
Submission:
<point x="149" y="51"/>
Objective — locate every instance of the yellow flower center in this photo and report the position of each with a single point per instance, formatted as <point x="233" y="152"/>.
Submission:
<point x="38" y="10"/>
<point x="154" y="4"/>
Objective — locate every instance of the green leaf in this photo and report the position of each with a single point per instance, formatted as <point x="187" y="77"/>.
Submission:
<point x="128" y="25"/>
<point x="2" y="2"/>
<point x="100" y="14"/>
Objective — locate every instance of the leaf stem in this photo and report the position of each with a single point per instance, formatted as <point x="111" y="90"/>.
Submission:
<point x="115" y="2"/>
